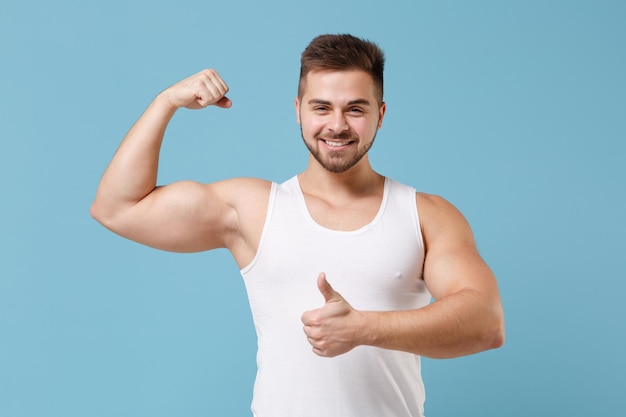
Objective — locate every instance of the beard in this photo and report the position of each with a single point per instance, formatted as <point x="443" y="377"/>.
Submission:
<point x="337" y="161"/>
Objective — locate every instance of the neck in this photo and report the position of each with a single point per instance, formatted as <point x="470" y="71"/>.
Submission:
<point x="358" y="180"/>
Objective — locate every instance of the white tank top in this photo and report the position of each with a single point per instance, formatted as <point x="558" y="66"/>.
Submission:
<point x="377" y="267"/>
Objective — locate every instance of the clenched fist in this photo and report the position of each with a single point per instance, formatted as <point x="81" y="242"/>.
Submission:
<point x="198" y="91"/>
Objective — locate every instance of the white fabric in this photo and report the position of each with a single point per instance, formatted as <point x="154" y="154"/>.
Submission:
<point x="378" y="267"/>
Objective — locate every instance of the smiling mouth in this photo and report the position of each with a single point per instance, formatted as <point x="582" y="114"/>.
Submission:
<point x="337" y="143"/>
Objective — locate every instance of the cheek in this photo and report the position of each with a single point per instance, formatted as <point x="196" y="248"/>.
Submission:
<point x="311" y="125"/>
<point x="364" y="128"/>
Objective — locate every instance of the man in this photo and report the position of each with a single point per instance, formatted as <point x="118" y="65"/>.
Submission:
<point x="353" y="348"/>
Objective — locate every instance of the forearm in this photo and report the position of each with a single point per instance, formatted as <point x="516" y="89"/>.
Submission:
<point x="460" y="324"/>
<point x="132" y="173"/>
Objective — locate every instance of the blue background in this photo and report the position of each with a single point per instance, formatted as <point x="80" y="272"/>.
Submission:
<point x="515" y="111"/>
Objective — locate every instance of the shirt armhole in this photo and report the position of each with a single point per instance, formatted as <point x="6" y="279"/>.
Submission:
<point x="268" y="217"/>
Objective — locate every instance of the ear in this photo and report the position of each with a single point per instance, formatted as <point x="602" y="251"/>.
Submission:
<point x="381" y="114"/>
<point x="297" y="106"/>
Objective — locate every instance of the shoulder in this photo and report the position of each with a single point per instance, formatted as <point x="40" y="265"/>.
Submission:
<point x="237" y="191"/>
<point x="435" y="206"/>
<point x="441" y="220"/>
<point x="434" y="211"/>
<point x="433" y="202"/>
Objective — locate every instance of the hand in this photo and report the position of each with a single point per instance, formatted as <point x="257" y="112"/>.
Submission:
<point x="198" y="91"/>
<point x="332" y="329"/>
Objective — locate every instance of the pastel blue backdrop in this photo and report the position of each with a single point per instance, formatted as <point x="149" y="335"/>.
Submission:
<point x="515" y="111"/>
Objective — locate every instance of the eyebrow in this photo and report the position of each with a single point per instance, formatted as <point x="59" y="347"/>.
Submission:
<point x="361" y="101"/>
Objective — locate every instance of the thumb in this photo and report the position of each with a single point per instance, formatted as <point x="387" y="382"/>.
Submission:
<point x="224" y="103"/>
<point x="327" y="291"/>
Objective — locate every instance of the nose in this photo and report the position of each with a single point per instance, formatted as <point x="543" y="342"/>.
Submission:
<point x="338" y="122"/>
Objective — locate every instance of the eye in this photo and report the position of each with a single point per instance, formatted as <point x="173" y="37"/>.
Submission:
<point x="355" y="110"/>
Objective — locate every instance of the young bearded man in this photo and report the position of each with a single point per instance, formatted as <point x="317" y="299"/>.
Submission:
<point x="353" y="348"/>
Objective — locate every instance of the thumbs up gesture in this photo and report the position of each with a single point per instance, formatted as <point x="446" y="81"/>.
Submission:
<point x="332" y="329"/>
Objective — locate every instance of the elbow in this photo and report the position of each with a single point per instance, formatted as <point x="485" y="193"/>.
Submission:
<point x="497" y="340"/>
<point x="94" y="210"/>
<point x="102" y="214"/>
<point x="494" y="336"/>
<point x="97" y="212"/>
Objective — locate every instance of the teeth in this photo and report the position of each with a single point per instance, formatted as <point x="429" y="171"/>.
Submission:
<point x="336" y="144"/>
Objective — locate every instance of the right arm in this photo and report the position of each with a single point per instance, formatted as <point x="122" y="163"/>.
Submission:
<point x="184" y="216"/>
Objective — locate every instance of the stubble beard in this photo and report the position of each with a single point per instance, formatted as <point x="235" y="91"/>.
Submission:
<point x="336" y="161"/>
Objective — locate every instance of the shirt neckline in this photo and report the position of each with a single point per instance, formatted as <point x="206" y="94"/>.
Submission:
<point x="362" y="229"/>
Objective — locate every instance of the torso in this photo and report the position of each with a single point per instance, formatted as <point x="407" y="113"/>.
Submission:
<point x="377" y="265"/>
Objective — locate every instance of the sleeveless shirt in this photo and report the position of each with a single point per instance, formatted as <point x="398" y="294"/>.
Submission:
<point x="377" y="268"/>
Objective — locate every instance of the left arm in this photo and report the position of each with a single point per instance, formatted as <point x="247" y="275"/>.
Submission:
<point x="465" y="318"/>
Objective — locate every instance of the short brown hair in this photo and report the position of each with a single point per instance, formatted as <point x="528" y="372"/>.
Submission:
<point x="343" y="52"/>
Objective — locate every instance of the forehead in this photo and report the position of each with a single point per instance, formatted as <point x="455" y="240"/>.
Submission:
<point x="333" y="85"/>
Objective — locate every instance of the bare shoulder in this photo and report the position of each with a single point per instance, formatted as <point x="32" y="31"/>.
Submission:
<point x="441" y="220"/>
<point x="436" y="210"/>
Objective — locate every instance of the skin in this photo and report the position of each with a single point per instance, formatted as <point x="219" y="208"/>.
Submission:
<point x="339" y="117"/>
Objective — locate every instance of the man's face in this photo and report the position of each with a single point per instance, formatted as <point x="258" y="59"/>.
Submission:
<point x="339" y="116"/>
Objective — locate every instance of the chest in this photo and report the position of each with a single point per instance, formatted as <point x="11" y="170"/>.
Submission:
<point x="343" y="216"/>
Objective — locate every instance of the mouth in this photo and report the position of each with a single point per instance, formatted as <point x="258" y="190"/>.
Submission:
<point x="335" y="143"/>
